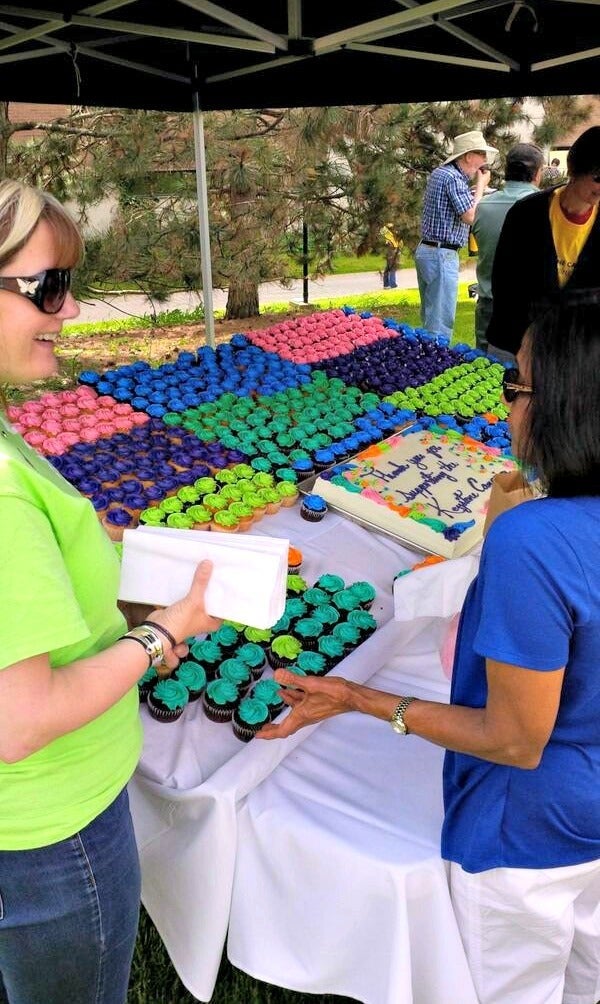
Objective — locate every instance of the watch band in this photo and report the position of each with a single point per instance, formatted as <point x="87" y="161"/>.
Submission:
<point x="397" y="720"/>
<point x="150" y="641"/>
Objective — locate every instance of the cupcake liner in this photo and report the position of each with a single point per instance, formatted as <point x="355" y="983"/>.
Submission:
<point x="311" y="517"/>
<point x="163" y="714"/>
<point x="244" y="732"/>
<point x="257" y="671"/>
<point x="276" y="661"/>
<point x="217" y="714"/>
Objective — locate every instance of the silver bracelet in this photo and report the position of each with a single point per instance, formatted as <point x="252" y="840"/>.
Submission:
<point x="151" y="642"/>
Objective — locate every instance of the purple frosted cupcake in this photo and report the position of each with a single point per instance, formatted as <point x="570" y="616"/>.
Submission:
<point x="219" y="700"/>
<point x="249" y="717"/>
<point x="167" y="700"/>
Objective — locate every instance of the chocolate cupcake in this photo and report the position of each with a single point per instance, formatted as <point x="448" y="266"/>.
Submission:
<point x="312" y="663"/>
<point x="283" y="651"/>
<point x="308" y="631"/>
<point x="227" y="638"/>
<point x="193" y="676"/>
<point x="167" y="700"/>
<point x="146" y="683"/>
<point x="365" y="592"/>
<point x="236" y="672"/>
<point x="313" y="508"/>
<point x="254" y="657"/>
<point x="219" y="700"/>
<point x="208" y="654"/>
<point x="269" y="692"/>
<point x="330" y="583"/>
<point x="249" y="717"/>
<point x="332" y="648"/>
<point x="363" y="620"/>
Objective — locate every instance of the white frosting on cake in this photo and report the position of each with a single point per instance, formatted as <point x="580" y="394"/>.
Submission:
<point x="429" y="487"/>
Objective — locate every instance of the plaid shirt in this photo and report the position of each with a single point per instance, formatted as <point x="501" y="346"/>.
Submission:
<point x="447" y="197"/>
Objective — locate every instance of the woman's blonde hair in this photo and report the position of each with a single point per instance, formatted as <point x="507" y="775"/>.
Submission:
<point x="22" y="207"/>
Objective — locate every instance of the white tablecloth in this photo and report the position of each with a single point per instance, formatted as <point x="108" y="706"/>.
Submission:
<point x="320" y="853"/>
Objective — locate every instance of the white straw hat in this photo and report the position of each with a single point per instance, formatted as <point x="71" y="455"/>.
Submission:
<point x="469" y="141"/>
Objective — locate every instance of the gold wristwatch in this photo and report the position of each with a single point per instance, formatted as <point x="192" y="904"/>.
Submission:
<point x="397" y="719"/>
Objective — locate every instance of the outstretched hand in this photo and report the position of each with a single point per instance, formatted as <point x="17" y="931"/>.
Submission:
<point x="311" y="699"/>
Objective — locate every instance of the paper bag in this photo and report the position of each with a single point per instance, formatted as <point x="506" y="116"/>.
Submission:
<point x="509" y="488"/>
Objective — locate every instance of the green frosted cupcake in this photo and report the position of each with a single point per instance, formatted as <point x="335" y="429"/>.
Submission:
<point x="200" y="516"/>
<point x="154" y="516"/>
<point x="180" y="520"/>
<point x="283" y="651"/>
<point x="171" y="504"/>
<point x="295" y="585"/>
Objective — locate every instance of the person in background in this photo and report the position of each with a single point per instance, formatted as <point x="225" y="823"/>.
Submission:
<point x="548" y="242"/>
<point x="523" y="173"/>
<point x="392" y="248"/>
<point x="70" y="733"/>
<point x="552" y="173"/>
<point x="448" y="211"/>
<point x="521" y="827"/>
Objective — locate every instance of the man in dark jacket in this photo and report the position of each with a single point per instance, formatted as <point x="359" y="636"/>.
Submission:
<point x="549" y="241"/>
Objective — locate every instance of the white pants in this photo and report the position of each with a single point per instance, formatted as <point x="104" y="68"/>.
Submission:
<point x="531" y="936"/>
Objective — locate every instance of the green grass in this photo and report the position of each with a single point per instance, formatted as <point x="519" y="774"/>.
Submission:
<point x="154" y="980"/>
<point x="400" y="304"/>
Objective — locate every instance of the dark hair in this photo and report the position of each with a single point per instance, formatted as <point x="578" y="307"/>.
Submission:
<point x="562" y="440"/>
<point x="523" y="161"/>
<point x="584" y="155"/>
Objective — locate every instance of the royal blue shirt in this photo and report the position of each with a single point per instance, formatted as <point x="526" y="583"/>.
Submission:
<point x="447" y="197"/>
<point x="535" y="603"/>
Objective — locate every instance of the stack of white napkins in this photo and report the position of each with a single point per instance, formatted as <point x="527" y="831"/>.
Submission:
<point x="248" y="582"/>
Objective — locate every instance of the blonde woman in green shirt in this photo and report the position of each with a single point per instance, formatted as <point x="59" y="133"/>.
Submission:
<point x="70" y="733"/>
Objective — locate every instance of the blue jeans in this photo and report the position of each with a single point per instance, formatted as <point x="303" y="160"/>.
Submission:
<point x="437" y="275"/>
<point x="69" y="915"/>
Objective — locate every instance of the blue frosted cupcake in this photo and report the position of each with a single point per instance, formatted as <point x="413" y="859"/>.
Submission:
<point x="249" y="717"/>
<point x="313" y="508"/>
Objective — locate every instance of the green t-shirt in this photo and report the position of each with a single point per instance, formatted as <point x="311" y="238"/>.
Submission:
<point x="59" y="576"/>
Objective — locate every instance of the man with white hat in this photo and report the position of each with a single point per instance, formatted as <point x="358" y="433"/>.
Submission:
<point x="448" y="211"/>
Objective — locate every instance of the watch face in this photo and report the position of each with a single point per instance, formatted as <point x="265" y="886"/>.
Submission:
<point x="399" y="727"/>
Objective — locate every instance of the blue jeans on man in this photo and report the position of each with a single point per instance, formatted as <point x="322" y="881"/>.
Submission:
<point x="437" y="275"/>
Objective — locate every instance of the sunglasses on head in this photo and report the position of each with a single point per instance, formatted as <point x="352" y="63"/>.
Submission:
<point x="510" y="388"/>
<point x="47" y="290"/>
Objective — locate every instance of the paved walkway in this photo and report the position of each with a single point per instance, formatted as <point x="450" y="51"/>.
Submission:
<point x="134" y="305"/>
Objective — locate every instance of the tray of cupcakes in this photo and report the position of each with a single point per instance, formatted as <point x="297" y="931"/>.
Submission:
<point x="230" y="669"/>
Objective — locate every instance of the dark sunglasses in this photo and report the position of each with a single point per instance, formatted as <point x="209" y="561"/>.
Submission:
<point x="510" y="388"/>
<point x="47" y="290"/>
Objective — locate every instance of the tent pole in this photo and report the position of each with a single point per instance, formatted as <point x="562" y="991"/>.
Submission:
<point x="202" y="197"/>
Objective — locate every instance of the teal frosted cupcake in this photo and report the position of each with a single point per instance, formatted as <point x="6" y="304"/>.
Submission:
<point x="227" y="638"/>
<point x="346" y="600"/>
<point x="193" y="676"/>
<point x="365" y="592"/>
<point x="208" y="654"/>
<point x="332" y="648"/>
<point x="146" y="683"/>
<point x="348" y="634"/>
<point x="312" y="663"/>
<point x="327" y="614"/>
<point x="295" y="607"/>
<point x="236" y="672"/>
<point x="254" y="657"/>
<point x="315" y="597"/>
<point x="219" y="700"/>
<point x="269" y="692"/>
<point x="330" y="583"/>
<point x="249" y="717"/>
<point x="364" y="621"/>
<point x="308" y="630"/>
<point x="167" y="700"/>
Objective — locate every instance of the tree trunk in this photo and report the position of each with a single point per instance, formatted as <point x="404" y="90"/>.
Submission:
<point x="242" y="299"/>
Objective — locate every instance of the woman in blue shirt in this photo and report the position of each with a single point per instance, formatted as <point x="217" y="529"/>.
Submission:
<point x="522" y="771"/>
